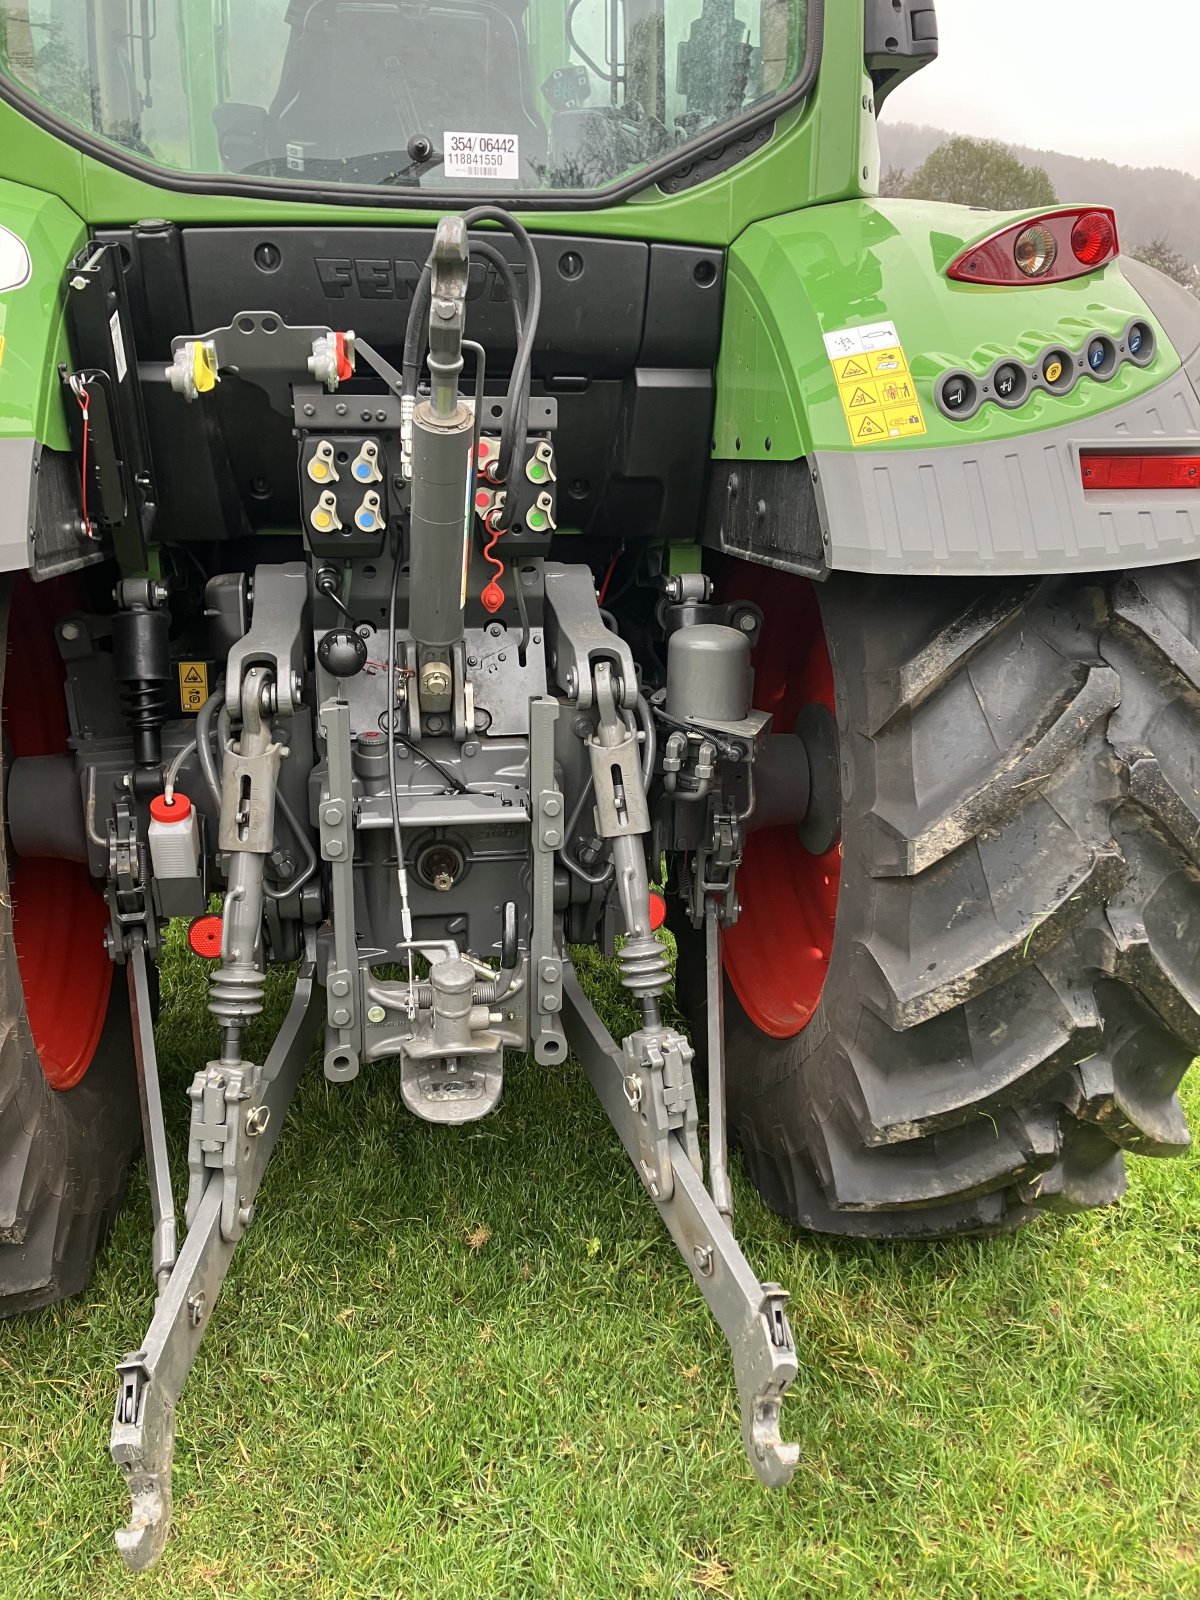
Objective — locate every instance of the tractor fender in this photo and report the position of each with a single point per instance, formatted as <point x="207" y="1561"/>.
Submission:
<point x="39" y="475"/>
<point x="833" y="449"/>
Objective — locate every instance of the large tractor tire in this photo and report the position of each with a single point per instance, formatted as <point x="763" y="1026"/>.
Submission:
<point x="69" y="1116"/>
<point x="967" y="1011"/>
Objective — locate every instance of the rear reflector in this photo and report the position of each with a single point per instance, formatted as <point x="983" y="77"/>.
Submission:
<point x="1128" y="471"/>
<point x="204" y="936"/>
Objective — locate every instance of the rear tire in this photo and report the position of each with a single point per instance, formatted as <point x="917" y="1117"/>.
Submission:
<point x="1013" y="987"/>
<point x="64" y="1152"/>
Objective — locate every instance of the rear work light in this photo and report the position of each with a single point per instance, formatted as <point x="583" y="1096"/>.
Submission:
<point x="1049" y="249"/>
<point x="1125" y="470"/>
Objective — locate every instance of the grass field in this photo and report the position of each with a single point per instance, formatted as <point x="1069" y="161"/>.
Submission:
<point x="468" y="1363"/>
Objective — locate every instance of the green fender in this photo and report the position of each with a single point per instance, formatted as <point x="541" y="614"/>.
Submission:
<point x="1000" y="491"/>
<point x="31" y="317"/>
<point x="39" y="481"/>
<point x="795" y="278"/>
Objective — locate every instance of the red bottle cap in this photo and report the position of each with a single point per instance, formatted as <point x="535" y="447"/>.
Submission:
<point x="177" y="810"/>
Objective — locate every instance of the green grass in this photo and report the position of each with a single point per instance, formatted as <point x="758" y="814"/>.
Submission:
<point x="468" y="1363"/>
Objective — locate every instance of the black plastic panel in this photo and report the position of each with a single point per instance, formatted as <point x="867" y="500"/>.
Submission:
<point x="683" y="307"/>
<point x="766" y="511"/>
<point x="629" y="339"/>
<point x="200" y="495"/>
<point x="593" y="290"/>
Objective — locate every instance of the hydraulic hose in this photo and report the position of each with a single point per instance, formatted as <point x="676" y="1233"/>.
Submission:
<point x="516" y="421"/>
<point x="204" y="751"/>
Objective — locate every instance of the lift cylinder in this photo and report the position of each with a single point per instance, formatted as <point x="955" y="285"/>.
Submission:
<point x="440" y="525"/>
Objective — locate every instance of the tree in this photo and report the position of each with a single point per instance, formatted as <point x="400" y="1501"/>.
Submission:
<point x="894" y="183"/>
<point x="1161" y="253"/>
<point x="980" y="172"/>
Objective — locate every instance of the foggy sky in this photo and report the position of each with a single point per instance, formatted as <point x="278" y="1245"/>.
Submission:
<point x="1118" y="79"/>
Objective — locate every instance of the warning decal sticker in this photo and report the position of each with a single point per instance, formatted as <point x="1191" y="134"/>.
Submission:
<point x="875" y="387"/>
<point x="193" y="685"/>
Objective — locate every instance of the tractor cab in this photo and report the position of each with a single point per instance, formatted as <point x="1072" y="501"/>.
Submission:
<point x="532" y="97"/>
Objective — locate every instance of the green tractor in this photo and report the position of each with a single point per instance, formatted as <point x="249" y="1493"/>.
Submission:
<point x="482" y="478"/>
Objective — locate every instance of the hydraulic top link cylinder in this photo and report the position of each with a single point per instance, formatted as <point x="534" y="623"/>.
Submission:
<point x="439" y="526"/>
<point x="443" y="438"/>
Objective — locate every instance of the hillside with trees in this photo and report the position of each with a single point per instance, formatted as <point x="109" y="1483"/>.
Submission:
<point x="1158" y="209"/>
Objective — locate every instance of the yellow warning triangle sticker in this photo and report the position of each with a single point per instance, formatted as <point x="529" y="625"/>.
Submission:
<point x="852" y="369"/>
<point x="868" y="429"/>
<point x="861" y="398"/>
<point x="192" y="675"/>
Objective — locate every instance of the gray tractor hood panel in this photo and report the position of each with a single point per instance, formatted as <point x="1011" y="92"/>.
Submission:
<point x="17" y="502"/>
<point x="1013" y="506"/>
<point x="39" y="512"/>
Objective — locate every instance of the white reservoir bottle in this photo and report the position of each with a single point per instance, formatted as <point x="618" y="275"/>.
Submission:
<point x="174" y="837"/>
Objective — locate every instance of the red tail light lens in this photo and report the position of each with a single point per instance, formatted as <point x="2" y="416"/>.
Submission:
<point x="1094" y="239"/>
<point x="1049" y="249"/>
<point x="1125" y="470"/>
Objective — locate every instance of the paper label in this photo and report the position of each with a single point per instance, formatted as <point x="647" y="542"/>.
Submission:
<point x="875" y="387"/>
<point x="118" y="344"/>
<point x="481" y="155"/>
<point x="855" y="341"/>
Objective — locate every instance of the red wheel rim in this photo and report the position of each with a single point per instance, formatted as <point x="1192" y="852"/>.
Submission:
<point x="777" y="953"/>
<point x="58" y="915"/>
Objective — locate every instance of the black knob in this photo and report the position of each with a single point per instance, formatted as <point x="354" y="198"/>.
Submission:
<point x="342" y="652"/>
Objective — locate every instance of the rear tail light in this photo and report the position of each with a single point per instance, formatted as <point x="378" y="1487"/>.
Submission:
<point x="1049" y="249"/>
<point x="1125" y="470"/>
<point x="1094" y="238"/>
<point x="1035" y="250"/>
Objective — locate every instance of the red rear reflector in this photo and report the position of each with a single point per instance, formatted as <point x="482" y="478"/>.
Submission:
<point x="658" y="910"/>
<point x="204" y="936"/>
<point x="1128" y="471"/>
